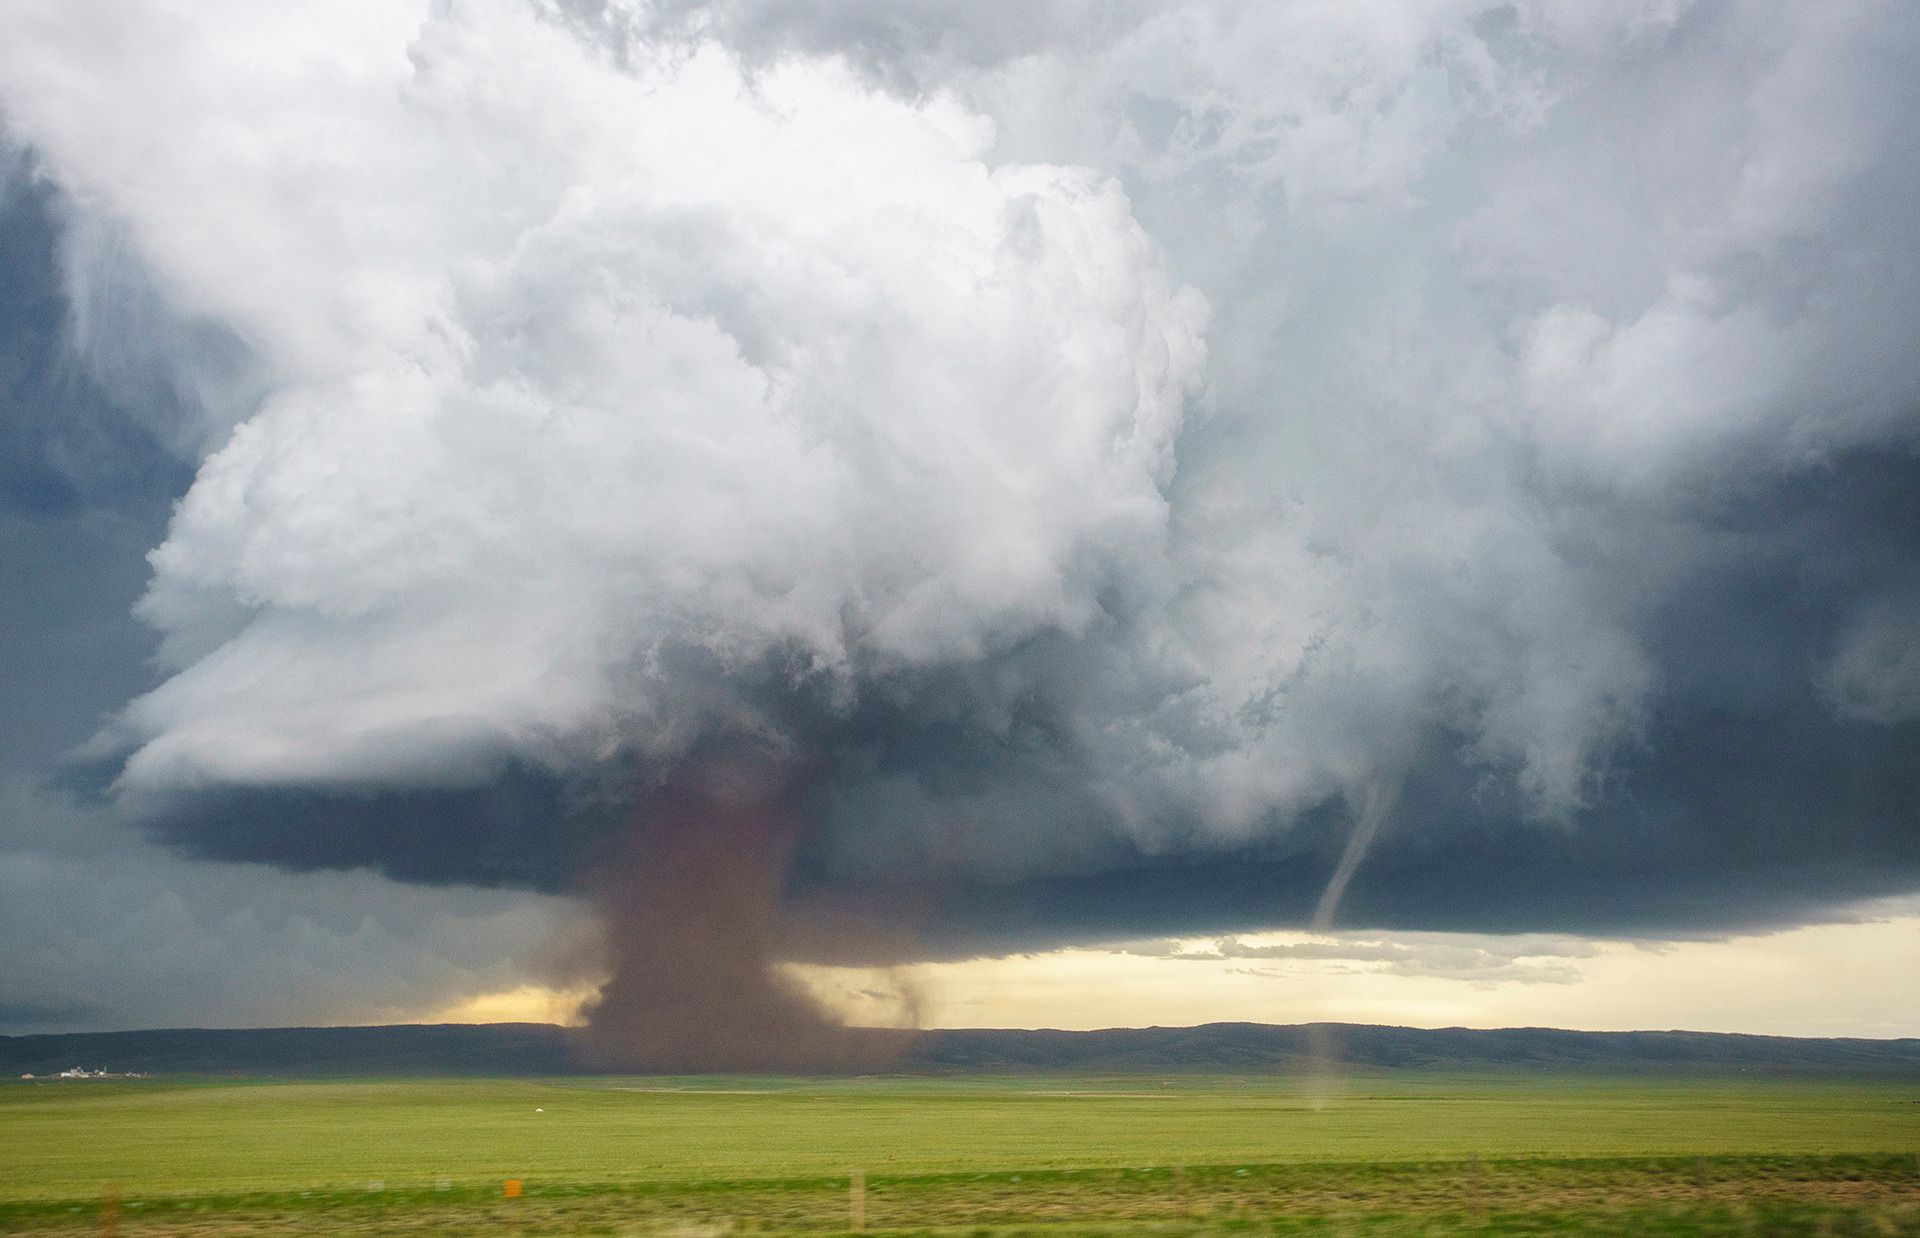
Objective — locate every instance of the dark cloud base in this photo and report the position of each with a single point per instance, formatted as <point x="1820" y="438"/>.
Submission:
<point x="1729" y="821"/>
<point x="518" y="831"/>
<point x="1768" y="850"/>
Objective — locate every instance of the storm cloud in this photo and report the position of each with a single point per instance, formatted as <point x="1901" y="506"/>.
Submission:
<point x="1083" y="449"/>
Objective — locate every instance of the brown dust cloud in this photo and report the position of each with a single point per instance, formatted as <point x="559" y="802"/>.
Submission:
<point x="696" y="926"/>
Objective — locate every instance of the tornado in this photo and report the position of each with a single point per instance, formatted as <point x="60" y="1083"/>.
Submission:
<point x="697" y="924"/>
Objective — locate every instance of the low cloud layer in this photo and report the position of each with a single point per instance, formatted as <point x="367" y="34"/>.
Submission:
<point x="1515" y="960"/>
<point x="1083" y="452"/>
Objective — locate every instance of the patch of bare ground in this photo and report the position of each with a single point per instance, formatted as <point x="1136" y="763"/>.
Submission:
<point x="1853" y="1195"/>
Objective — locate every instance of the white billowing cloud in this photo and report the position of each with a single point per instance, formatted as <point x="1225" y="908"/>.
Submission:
<point x="573" y="365"/>
<point x="1502" y="293"/>
<point x="585" y="346"/>
<point x="1772" y="335"/>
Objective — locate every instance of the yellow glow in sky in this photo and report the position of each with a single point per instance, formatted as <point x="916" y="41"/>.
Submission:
<point x="1847" y="979"/>
<point x="530" y="1003"/>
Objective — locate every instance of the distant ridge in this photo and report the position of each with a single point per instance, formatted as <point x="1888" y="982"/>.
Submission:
<point x="1233" y="1047"/>
<point x="509" y="1049"/>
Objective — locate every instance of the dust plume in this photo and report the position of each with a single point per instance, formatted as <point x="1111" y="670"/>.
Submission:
<point x="695" y="928"/>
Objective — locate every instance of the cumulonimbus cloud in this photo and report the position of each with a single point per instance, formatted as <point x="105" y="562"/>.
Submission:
<point x="1095" y="453"/>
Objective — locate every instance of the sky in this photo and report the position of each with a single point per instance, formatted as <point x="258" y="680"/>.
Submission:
<point x="971" y="512"/>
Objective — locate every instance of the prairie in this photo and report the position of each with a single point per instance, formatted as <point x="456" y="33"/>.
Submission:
<point x="1390" y="1151"/>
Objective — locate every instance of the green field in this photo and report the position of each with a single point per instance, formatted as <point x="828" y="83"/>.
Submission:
<point x="1414" y="1152"/>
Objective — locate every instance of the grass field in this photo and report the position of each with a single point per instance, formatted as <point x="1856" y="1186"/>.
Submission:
<point x="1413" y="1152"/>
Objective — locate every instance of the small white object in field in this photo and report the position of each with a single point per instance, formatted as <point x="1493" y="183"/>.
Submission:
<point x="539" y="1110"/>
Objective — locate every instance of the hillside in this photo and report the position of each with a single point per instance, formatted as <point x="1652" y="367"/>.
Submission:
<point x="539" y="1049"/>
